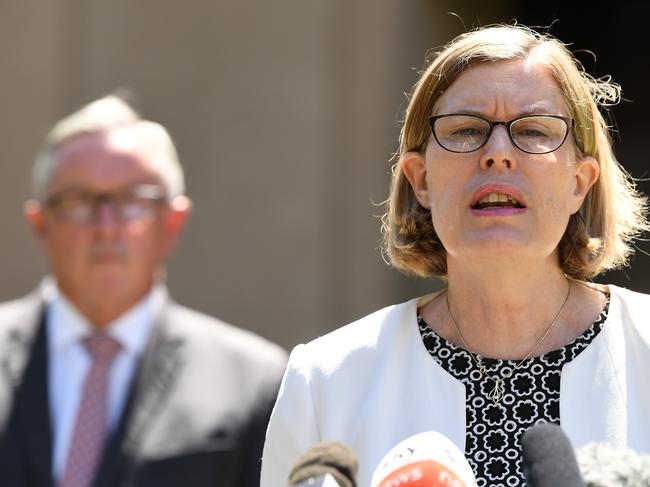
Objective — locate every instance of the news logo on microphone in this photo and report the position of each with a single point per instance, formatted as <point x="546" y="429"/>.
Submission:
<point x="427" y="459"/>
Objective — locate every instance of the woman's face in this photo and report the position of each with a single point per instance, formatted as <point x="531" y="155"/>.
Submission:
<point x="460" y="188"/>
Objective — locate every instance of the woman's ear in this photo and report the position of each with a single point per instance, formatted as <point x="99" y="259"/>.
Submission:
<point x="587" y="171"/>
<point x="415" y="169"/>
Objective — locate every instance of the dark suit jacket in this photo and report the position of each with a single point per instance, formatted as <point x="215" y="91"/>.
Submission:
<point x="196" y="415"/>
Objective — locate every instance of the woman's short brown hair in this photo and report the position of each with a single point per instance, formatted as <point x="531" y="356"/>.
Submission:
<point x="598" y="237"/>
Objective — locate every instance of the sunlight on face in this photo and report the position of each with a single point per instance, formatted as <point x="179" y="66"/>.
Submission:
<point x="108" y="258"/>
<point x="498" y="201"/>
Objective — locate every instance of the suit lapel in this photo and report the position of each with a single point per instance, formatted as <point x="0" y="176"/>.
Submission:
<point x="16" y="351"/>
<point x="157" y="371"/>
<point x="25" y="367"/>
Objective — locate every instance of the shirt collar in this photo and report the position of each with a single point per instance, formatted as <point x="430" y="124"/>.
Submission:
<point x="67" y="326"/>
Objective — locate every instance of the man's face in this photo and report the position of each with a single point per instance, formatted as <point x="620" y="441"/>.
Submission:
<point x="107" y="262"/>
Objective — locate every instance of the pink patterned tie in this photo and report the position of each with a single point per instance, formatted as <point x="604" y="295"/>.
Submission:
<point x="87" y="442"/>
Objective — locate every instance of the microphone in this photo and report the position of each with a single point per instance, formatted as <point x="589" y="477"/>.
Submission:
<point x="549" y="459"/>
<point x="328" y="464"/>
<point x="427" y="459"/>
<point x="320" y="481"/>
<point x="603" y="466"/>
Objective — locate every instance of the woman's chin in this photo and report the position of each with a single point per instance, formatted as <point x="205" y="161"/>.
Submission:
<point x="499" y="248"/>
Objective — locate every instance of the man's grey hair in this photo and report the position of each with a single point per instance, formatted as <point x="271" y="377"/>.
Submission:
<point x="104" y="115"/>
<point x="602" y="466"/>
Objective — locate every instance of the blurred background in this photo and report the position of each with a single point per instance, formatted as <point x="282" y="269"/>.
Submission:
<point x="286" y="115"/>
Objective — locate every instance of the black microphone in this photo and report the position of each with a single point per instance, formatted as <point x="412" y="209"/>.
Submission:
<point x="324" y="465"/>
<point x="549" y="459"/>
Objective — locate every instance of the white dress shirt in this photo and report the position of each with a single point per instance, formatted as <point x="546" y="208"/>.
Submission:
<point x="69" y="362"/>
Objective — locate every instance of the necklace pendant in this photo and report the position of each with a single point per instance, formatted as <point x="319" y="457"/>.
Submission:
<point x="498" y="391"/>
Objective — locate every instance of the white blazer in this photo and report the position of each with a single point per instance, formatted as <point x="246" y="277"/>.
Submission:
<point x="372" y="383"/>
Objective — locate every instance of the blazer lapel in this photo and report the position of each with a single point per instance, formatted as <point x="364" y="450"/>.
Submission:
<point x="15" y="351"/>
<point x="157" y="371"/>
<point x="25" y="366"/>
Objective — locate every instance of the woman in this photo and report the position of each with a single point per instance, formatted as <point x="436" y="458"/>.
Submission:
<point x="507" y="187"/>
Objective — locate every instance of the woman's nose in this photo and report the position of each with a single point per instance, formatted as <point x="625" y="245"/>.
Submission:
<point x="499" y="152"/>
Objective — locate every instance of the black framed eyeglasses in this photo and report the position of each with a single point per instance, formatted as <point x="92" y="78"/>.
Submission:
<point x="135" y="203"/>
<point x="533" y="134"/>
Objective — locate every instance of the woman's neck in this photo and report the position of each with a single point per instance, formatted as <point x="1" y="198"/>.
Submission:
<point x="506" y="312"/>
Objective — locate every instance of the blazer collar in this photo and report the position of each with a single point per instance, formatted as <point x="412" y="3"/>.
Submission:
<point x="25" y="367"/>
<point x="22" y="332"/>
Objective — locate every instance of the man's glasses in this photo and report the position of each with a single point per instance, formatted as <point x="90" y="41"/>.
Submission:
<point x="137" y="203"/>
<point x="533" y="134"/>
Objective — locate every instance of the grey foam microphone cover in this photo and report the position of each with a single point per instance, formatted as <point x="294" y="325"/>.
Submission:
<point x="604" y="466"/>
<point x="331" y="458"/>
<point x="549" y="459"/>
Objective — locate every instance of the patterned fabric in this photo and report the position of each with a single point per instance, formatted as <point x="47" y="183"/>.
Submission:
<point x="532" y="396"/>
<point x="89" y="434"/>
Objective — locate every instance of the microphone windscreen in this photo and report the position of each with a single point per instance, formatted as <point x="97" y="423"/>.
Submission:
<point x="549" y="459"/>
<point x="427" y="459"/>
<point x="321" y="481"/>
<point x="323" y="460"/>
<point x="604" y="466"/>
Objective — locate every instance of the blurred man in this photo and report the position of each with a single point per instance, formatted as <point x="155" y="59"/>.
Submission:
<point x="104" y="381"/>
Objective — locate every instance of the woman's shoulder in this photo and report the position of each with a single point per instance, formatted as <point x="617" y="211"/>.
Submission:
<point x="628" y="295"/>
<point x="630" y="308"/>
<point x="627" y="298"/>
<point x="631" y="301"/>
<point x="374" y="335"/>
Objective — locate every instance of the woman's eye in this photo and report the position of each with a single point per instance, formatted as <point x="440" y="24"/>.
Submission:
<point x="532" y="130"/>
<point x="531" y="133"/>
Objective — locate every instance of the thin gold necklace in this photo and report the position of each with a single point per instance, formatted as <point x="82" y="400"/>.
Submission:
<point x="498" y="391"/>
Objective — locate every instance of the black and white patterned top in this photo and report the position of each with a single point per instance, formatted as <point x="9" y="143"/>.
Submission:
<point x="532" y="396"/>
